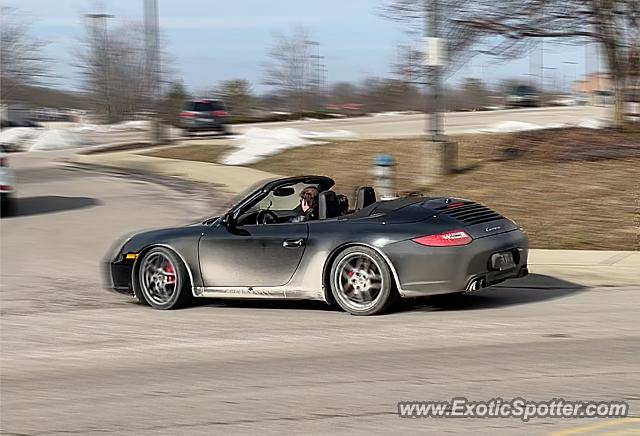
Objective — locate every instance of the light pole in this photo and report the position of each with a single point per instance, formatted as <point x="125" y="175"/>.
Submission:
<point x="431" y="32"/>
<point x="152" y="66"/>
<point x="104" y="54"/>
<point x="314" y="64"/>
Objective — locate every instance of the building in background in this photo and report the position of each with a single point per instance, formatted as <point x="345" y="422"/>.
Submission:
<point x="596" y="87"/>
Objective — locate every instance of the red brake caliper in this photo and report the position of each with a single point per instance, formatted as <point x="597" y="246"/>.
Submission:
<point x="171" y="279"/>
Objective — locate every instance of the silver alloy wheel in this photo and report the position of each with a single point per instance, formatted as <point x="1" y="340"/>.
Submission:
<point x="158" y="278"/>
<point x="358" y="280"/>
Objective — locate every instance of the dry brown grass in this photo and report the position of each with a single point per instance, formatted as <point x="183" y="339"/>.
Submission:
<point x="572" y="188"/>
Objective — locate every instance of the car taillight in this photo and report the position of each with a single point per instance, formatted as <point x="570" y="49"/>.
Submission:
<point x="6" y="188"/>
<point x="187" y="115"/>
<point x="446" y="239"/>
<point x="219" y="113"/>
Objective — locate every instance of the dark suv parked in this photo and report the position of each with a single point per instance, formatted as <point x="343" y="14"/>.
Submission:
<point x="204" y="115"/>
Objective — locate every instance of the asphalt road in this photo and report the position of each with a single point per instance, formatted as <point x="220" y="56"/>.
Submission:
<point x="398" y="126"/>
<point x="78" y="360"/>
<point x="381" y="127"/>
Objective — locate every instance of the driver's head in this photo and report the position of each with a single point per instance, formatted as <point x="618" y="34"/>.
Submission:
<point x="308" y="198"/>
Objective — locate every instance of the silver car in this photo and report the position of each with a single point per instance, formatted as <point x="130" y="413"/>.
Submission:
<point x="7" y="184"/>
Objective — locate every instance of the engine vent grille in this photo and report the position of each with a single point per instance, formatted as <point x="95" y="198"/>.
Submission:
<point x="471" y="213"/>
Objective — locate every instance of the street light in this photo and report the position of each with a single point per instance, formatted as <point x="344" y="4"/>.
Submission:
<point x="315" y="64"/>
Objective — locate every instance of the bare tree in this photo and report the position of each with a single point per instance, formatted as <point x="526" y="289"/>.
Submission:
<point x="509" y="28"/>
<point x="113" y="64"/>
<point x="288" y="67"/>
<point x="21" y="59"/>
<point x="344" y="93"/>
<point x="172" y="102"/>
<point x="238" y="96"/>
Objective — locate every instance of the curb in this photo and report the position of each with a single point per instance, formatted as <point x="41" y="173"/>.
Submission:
<point x="178" y="183"/>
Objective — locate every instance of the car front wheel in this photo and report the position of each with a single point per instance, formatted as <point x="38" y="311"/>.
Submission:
<point x="361" y="282"/>
<point x="163" y="280"/>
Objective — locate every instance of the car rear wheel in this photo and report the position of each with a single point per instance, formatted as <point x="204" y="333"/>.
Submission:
<point x="163" y="280"/>
<point x="361" y="282"/>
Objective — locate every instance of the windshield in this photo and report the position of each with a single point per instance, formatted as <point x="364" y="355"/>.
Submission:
<point x="203" y="106"/>
<point x="281" y="201"/>
<point x="524" y="90"/>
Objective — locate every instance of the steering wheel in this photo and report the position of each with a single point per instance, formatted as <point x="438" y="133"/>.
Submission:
<point x="266" y="216"/>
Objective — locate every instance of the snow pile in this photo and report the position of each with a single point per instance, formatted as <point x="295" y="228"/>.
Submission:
<point x="393" y="113"/>
<point x="511" y="126"/>
<point x="17" y="138"/>
<point x="85" y="128"/>
<point x="130" y="125"/>
<point x="519" y="126"/>
<point x="257" y="143"/>
<point x="39" y="139"/>
<point x="594" y="123"/>
<point x="50" y="139"/>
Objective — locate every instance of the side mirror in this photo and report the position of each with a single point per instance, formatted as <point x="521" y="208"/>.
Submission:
<point x="228" y="220"/>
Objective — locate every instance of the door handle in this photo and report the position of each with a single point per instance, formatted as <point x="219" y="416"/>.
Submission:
<point x="293" y="243"/>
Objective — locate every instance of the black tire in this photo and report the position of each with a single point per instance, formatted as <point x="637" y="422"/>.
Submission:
<point x="361" y="282"/>
<point x="152" y="268"/>
<point x="7" y="205"/>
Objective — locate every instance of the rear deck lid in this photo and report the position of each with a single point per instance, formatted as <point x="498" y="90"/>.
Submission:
<point x="476" y="219"/>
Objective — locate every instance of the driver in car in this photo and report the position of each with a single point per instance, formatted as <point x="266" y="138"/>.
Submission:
<point x="308" y="207"/>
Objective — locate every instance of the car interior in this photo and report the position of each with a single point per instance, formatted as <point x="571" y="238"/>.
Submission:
<point x="283" y="203"/>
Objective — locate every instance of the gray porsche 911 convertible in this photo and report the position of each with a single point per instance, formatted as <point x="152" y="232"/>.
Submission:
<point x="362" y="258"/>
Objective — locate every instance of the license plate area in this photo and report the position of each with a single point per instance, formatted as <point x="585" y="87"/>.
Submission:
<point x="502" y="261"/>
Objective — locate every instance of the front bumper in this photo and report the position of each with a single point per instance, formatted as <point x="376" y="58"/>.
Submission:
<point x="117" y="276"/>
<point x="424" y="270"/>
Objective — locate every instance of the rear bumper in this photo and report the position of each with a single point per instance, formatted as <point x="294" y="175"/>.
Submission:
<point x="203" y="126"/>
<point x="424" y="270"/>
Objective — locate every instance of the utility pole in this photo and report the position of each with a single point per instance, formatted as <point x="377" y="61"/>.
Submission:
<point x="440" y="152"/>
<point x="152" y="67"/>
<point x="314" y="66"/>
<point x="100" y="20"/>
<point x="432" y="33"/>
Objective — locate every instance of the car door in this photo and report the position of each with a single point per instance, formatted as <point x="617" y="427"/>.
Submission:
<point x="251" y="255"/>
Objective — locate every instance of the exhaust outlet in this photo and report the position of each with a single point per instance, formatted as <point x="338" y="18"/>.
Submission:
<point x="476" y="285"/>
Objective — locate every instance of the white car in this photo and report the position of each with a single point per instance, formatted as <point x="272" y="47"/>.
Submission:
<point x="7" y="184"/>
